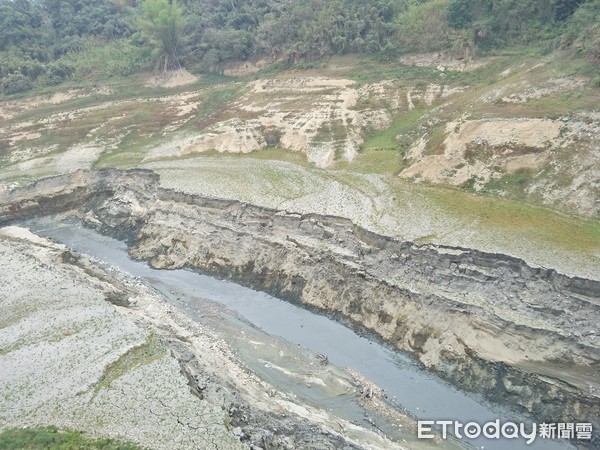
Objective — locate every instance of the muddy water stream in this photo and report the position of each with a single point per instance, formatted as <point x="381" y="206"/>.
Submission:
<point x="279" y="341"/>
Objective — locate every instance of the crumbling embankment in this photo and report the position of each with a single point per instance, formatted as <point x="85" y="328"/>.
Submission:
<point x="489" y="323"/>
<point x="73" y="191"/>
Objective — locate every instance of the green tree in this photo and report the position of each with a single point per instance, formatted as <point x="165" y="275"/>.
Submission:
<point x="564" y="8"/>
<point x="161" y="22"/>
<point x="459" y="13"/>
<point x="424" y="27"/>
<point x="583" y="32"/>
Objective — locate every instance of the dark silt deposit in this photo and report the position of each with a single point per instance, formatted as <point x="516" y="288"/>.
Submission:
<point x="488" y="324"/>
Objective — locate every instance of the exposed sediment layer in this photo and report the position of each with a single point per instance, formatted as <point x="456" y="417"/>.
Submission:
<point x="140" y="370"/>
<point x="489" y="323"/>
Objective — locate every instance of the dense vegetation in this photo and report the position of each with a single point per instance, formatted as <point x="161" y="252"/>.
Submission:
<point x="44" y="42"/>
<point x="50" y="438"/>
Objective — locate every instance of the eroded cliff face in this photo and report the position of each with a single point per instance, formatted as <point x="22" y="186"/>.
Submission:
<point x="488" y="323"/>
<point x="512" y="127"/>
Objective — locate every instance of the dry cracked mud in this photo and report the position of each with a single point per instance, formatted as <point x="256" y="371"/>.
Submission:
<point x="335" y="205"/>
<point x="87" y="349"/>
<point x="489" y="323"/>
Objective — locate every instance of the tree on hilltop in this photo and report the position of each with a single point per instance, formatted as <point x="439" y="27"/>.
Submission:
<point x="161" y="23"/>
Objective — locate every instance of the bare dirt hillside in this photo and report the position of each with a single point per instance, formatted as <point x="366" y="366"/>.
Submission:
<point x="429" y="149"/>
<point x="451" y="207"/>
<point x="509" y="127"/>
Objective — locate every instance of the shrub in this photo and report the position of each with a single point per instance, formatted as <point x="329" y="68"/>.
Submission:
<point x="583" y="31"/>
<point x="14" y="83"/>
<point x="424" y="27"/>
<point x="116" y="58"/>
<point x="53" y="439"/>
<point x="459" y="13"/>
<point x="58" y="72"/>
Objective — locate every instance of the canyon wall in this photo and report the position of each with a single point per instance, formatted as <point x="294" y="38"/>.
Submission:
<point x="489" y="323"/>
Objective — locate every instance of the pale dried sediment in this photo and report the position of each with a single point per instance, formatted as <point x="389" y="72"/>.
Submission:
<point x="489" y="322"/>
<point x="172" y="78"/>
<point x="507" y="143"/>
<point x="143" y="371"/>
<point x="319" y="116"/>
<point x="9" y="109"/>
<point x="368" y="200"/>
<point x="60" y="337"/>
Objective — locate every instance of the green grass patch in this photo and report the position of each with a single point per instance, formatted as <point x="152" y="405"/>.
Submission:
<point x="435" y="140"/>
<point x="339" y="66"/>
<point x="215" y="104"/>
<point x="372" y="71"/>
<point x="403" y="123"/>
<point x="331" y="130"/>
<point x="143" y="354"/>
<point x="50" y="438"/>
<point x="513" y="184"/>
<point x="538" y="223"/>
<point x="383" y="150"/>
<point x="548" y="106"/>
<point x="119" y="158"/>
<point x="380" y="161"/>
<point x="269" y="153"/>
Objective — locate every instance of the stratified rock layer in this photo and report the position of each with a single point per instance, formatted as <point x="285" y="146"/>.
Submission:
<point x="489" y="323"/>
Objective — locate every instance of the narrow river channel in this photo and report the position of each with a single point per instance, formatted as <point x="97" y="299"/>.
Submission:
<point x="408" y="387"/>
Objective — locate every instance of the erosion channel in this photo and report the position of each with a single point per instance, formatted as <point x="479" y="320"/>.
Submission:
<point x="492" y="326"/>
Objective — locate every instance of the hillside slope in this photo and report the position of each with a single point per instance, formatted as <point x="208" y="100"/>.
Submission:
<point x="405" y="146"/>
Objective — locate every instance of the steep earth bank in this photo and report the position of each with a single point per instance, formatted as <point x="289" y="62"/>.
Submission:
<point x="489" y="323"/>
<point x="91" y="349"/>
